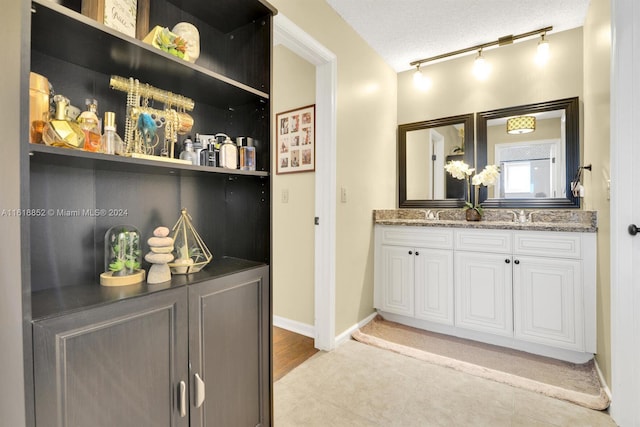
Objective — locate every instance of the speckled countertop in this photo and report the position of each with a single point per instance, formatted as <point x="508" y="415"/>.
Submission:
<point x="540" y="220"/>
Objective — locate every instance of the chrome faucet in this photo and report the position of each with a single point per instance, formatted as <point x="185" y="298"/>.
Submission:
<point x="515" y="216"/>
<point x="438" y="215"/>
<point x="530" y="217"/>
<point x="427" y="214"/>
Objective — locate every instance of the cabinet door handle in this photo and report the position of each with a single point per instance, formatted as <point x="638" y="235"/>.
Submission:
<point x="199" y="388"/>
<point x="182" y="399"/>
<point x="417" y="253"/>
<point x="516" y="261"/>
<point x="410" y="252"/>
<point x="508" y="261"/>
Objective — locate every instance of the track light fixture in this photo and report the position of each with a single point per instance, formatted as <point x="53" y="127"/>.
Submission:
<point x="481" y="67"/>
<point x="542" y="56"/>
<point x="480" y="62"/>
<point x="420" y="80"/>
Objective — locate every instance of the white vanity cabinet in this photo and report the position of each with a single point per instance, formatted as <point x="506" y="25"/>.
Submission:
<point x="483" y="281"/>
<point x="549" y="289"/>
<point x="414" y="273"/>
<point x="524" y="289"/>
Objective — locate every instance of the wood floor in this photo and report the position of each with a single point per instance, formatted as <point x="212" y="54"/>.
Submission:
<point x="289" y="350"/>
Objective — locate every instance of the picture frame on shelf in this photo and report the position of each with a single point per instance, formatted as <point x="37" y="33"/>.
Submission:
<point x="296" y="140"/>
<point x="130" y="17"/>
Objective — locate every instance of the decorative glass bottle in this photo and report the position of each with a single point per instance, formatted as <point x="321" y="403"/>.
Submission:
<point x="228" y="153"/>
<point x="190" y="252"/>
<point x="60" y="131"/>
<point x="90" y="125"/>
<point x="248" y="156"/>
<point x="122" y="257"/>
<point x="111" y="143"/>
<point x="38" y="106"/>
<point x="188" y="153"/>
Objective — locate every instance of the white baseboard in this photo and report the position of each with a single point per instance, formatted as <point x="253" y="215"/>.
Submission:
<point x="344" y="336"/>
<point x="295" y="326"/>
<point x="309" y="330"/>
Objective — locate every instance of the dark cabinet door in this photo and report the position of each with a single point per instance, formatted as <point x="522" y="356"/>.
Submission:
<point x="122" y="365"/>
<point x="230" y="341"/>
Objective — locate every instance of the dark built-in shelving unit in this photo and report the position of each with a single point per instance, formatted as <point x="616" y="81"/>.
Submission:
<point x="63" y="249"/>
<point x="230" y="208"/>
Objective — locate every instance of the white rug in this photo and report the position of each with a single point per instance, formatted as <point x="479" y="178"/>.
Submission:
<point x="573" y="383"/>
<point x="361" y="385"/>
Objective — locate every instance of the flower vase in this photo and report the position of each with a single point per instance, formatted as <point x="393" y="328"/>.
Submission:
<point x="472" y="215"/>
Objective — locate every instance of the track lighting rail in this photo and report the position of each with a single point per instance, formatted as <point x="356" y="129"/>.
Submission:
<point x="500" y="42"/>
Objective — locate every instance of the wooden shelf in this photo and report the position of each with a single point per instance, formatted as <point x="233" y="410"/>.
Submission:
<point x="89" y="44"/>
<point x="62" y="300"/>
<point x="83" y="159"/>
<point x="228" y="14"/>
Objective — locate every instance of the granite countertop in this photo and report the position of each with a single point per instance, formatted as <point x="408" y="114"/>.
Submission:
<point x="538" y="220"/>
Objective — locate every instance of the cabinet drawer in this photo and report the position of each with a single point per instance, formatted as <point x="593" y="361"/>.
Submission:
<point x="563" y="245"/>
<point x="483" y="241"/>
<point x="424" y="237"/>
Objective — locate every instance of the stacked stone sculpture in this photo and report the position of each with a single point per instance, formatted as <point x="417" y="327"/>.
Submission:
<point x="161" y="246"/>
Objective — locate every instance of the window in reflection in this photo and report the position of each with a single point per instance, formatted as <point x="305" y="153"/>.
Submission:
<point x="532" y="164"/>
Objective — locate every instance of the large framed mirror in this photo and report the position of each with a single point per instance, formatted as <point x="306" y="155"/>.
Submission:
<point x="537" y="148"/>
<point x="423" y="150"/>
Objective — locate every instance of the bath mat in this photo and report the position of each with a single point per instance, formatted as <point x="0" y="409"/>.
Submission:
<point x="576" y="383"/>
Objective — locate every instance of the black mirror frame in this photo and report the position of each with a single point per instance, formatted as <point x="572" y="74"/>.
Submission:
<point x="467" y="120"/>
<point x="572" y="155"/>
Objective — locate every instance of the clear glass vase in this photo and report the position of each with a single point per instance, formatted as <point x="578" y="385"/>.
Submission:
<point x="122" y="257"/>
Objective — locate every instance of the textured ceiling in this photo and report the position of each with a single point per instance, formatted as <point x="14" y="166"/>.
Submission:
<point x="402" y="31"/>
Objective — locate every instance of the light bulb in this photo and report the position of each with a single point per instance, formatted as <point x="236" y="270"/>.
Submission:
<point x="542" y="55"/>
<point x="421" y="81"/>
<point x="481" y="68"/>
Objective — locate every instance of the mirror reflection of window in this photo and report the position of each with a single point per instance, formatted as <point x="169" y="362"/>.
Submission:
<point x="516" y="178"/>
<point x="532" y="164"/>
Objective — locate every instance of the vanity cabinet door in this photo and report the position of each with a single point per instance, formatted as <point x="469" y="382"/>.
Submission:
<point x="483" y="292"/>
<point x="229" y="350"/>
<point x="548" y="301"/>
<point x="123" y="364"/>
<point x="395" y="281"/>
<point x="434" y="285"/>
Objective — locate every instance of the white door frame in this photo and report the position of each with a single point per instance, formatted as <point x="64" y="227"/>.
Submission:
<point x="298" y="41"/>
<point x="625" y="210"/>
<point x="436" y="147"/>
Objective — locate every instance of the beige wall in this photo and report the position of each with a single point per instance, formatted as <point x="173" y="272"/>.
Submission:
<point x="597" y="53"/>
<point x="515" y="80"/>
<point x="294" y="82"/>
<point x="366" y="150"/>
<point x="14" y="113"/>
<point x="545" y="129"/>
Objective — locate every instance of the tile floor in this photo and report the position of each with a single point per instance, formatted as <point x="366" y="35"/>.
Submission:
<point x="360" y="385"/>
